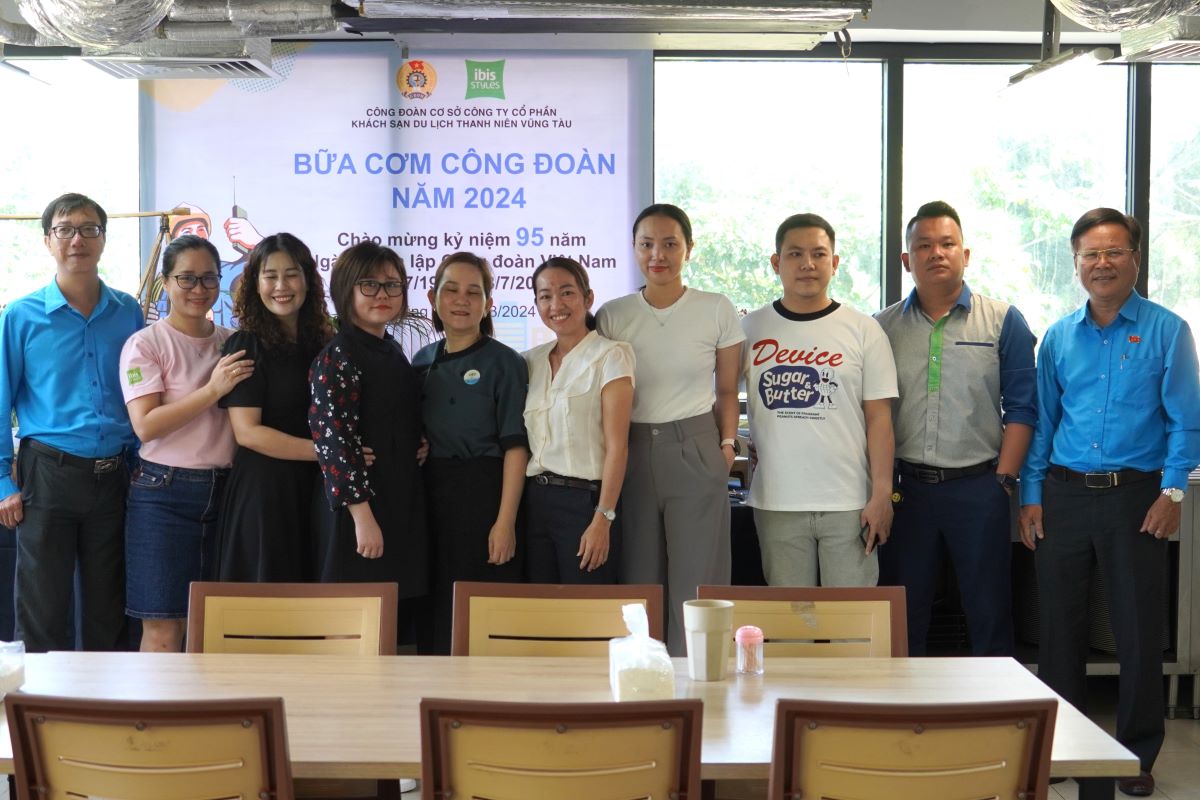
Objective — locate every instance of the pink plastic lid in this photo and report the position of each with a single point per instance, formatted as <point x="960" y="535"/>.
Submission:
<point x="748" y="634"/>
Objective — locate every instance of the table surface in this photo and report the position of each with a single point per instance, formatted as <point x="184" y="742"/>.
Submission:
<point x="357" y="716"/>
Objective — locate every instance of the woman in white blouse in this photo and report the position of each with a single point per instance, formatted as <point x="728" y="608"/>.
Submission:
<point x="577" y="418"/>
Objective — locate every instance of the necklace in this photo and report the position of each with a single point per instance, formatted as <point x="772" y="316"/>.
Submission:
<point x="662" y="315"/>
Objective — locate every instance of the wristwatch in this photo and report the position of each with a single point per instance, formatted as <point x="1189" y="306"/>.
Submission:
<point x="1006" y="480"/>
<point x="735" y="444"/>
<point x="608" y="513"/>
<point x="1174" y="495"/>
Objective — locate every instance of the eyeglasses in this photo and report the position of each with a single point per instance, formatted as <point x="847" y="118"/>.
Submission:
<point x="190" y="281"/>
<point x="370" y="288"/>
<point x="69" y="231"/>
<point x="1090" y="257"/>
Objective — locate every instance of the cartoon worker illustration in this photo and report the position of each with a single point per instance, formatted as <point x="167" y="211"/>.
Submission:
<point x="240" y="232"/>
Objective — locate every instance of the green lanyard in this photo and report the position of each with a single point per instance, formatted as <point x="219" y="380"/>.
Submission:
<point x="934" y="383"/>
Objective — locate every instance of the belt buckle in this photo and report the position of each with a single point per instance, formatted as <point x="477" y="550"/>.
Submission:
<point x="1099" y="480"/>
<point x="541" y="480"/>
<point x="103" y="466"/>
<point x="929" y="474"/>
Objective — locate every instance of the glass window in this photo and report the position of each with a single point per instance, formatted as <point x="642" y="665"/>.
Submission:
<point x="741" y="145"/>
<point x="68" y="128"/>
<point x="1175" y="191"/>
<point x="1020" y="165"/>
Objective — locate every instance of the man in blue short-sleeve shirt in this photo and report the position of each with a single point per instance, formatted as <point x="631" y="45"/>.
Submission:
<point x="963" y="423"/>
<point x="1118" y="432"/>
<point x="59" y="351"/>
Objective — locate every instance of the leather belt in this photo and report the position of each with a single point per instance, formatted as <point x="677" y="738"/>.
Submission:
<point x="550" y="479"/>
<point x="97" y="466"/>
<point x="927" y="474"/>
<point x="1102" y="480"/>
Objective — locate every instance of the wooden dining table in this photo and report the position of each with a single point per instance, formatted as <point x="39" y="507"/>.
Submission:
<point x="356" y="717"/>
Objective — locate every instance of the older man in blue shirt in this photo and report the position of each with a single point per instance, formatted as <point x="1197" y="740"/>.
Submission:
<point x="59" y="351"/>
<point x="1118" y="432"/>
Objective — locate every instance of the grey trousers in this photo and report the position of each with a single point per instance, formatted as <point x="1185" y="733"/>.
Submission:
<point x="795" y="544"/>
<point x="675" y="513"/>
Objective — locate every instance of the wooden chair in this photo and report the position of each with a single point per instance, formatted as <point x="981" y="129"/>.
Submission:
<point x="308" y="618"/>
<point x="299" y="618"/>
<point x="906" y="752"/>
<point x="67" y="747"/>
<point x="543" y="619"/>
<point x="821" y="621"/>
<point x="512" y="751"/>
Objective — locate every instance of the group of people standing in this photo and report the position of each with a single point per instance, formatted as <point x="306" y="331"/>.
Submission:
<point x="300" y="448"/>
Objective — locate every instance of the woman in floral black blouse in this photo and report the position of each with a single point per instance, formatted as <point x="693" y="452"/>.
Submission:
<point x="364" y="391"/>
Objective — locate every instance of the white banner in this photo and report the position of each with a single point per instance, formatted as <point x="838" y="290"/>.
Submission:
<point x="512" y="158"/>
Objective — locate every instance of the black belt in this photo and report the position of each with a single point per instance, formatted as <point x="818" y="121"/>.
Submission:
<point x="927" y="474"/>
<point x="550" y="479"/>
<point x="1102" y="480"/>
<point x="97" y="466"/>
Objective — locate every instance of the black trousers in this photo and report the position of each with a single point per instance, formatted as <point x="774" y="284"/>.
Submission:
<point x="71" y="516"/>
<point x="555" y="519"/>
<point x="1085" y="526"/>
<point x="463" y="501"/>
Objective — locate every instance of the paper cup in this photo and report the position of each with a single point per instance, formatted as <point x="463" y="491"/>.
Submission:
<point x="709" y="628"/>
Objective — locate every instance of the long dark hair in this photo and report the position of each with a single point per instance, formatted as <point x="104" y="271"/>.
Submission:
<point x="312" y="326"/>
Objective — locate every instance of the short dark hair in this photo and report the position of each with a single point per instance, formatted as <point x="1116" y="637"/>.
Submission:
<point x="933" y="210"/>
<point x="65" y="204"/>
<point x="359" y="262"/>
<point x="577" y="271"/>
<point x="1107" y="216"/>
<point x="485" y="273"/>
<point x="181" y="244"/>
<point x="671" y="212"/>
<point x="803" y="221"/>
<point x="311" y="326"/>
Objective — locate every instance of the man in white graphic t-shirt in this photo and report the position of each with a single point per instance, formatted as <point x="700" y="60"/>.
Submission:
<point x="820" y="380"/>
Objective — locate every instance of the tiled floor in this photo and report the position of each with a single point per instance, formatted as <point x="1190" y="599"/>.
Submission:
<point x="1177" y="771"/>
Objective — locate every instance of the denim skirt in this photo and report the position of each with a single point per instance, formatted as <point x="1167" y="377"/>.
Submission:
<point x="170" y="537"/>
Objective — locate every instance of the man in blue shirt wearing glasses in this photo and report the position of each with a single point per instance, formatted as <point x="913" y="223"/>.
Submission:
<point x="59" y="351"/>
<point x="1118" y="432"/>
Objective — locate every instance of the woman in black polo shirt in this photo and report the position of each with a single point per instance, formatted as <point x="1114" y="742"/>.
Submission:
<point x="472" y="404"/>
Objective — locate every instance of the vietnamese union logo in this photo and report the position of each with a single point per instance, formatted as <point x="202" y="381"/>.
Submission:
<point x="416" y="79"/>
<point x="485" y="79"/>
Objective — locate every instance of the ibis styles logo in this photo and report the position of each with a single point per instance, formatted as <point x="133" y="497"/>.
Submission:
<point x="485" y="79"/>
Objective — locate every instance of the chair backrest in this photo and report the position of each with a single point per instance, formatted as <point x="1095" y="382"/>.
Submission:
<point x="552" y="751"/>
<point x="546" y="619"/>
<point x="307" y="618"/>
<point x="821" y="621"/>
<point x="912" y="752"/>
<point x="65" y="747"/>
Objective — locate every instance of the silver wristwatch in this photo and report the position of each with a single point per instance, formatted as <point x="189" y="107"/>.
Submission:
<point x="608" y="513"/>
<point x="1174" y="495"/>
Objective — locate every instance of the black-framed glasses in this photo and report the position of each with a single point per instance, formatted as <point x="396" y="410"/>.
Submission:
<point x="190" y="281"/>
<point x="370" y="288"/>
<point x="69" y="231"/>
<point x="1090" y="257"/>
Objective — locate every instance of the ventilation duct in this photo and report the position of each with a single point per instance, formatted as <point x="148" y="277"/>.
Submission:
<point x="816" y="17"/>
<point x="1173" y="40"/>
<point x="156" y="60"/>
<point x="99" y="24"/>
<point x="1123" y="15"/>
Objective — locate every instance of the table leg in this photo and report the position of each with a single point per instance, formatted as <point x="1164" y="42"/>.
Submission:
<point x="1096" y="788"/>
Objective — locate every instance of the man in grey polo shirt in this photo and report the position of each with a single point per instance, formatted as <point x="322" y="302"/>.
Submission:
<point x="963" y="422"/>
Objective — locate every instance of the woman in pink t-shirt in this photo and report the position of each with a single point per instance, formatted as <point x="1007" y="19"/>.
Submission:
<point x="172" y="375"/>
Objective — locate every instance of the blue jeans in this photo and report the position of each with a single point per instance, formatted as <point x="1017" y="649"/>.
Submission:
<point x="170" y="537"/>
